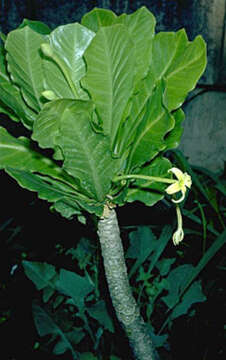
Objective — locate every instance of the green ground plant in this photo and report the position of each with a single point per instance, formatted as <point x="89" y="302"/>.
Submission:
<point x="105" y="96"/>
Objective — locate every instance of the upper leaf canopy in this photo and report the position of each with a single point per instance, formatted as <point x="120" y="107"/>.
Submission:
<point x="105" y="98"/>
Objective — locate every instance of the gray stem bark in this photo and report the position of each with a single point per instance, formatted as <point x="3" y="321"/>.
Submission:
<point x="123" y="301"/>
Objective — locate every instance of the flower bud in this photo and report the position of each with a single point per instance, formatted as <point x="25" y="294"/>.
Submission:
<point x="47" y="50"/>
<point x="49" y="95"/>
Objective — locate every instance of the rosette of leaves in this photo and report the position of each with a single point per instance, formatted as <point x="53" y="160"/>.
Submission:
<point x="105" y="95"/>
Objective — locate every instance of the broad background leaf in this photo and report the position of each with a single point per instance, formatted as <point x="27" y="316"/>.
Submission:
<point x="99" y="312"/>
<point x="37" y="26"/>
<point x="47" y="326"/>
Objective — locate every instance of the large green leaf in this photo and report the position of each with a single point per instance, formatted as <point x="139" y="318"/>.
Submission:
<point x="172" y="139"/>
<point x="10" y="96"/>
<point x="97" y="18"/>
<point x="37" y="26"/>
<point x="135" y="115"/>
<point x="17" y="153"/>
<point x="110" y="74"/>
<point x="154" y="126"/>
<point x="69" y="206"/>
<point x="179" y="62"/>
<point x="25" y="64"/>
<point x="46" y="126"/>
<point x="87" y="155"/>
<point x="66" y="123"/>
<point x="146" y="191"/>
<point x="66" y="68"/>
<point x="141" y="26"/>
<point x="7" y="111"/>
<point x="66" y="200"/>
<point x="33" y="182"/>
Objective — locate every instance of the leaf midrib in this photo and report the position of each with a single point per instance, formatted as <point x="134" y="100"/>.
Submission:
<point x="186" y="65"/>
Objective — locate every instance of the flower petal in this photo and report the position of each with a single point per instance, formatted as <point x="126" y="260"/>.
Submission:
<point x="187" y="180"/>
<point x="173" y="188"/>
<point x="177" y="172"/>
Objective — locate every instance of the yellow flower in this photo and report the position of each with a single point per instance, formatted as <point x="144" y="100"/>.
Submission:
<point x="181" y="184"/>
<point x="179" y="233"/>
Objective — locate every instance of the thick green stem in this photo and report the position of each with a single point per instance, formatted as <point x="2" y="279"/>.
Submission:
<point x="125" y="305"/>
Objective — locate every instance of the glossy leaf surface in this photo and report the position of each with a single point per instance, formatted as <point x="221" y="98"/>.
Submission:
<point x="68" y="43"/>
<point x="110" y="75"/>
<point x="155" y="124"/>
<point x="17" y="153"/>
<point x="11" y="96"/>
<point x="141" y="27"/>
<point x="179" y="62"/>
<point x="46" y="126"/>
<point x="105" y="96"/>
<point x="87" y="155"/>
<point x="25" y="65"/>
